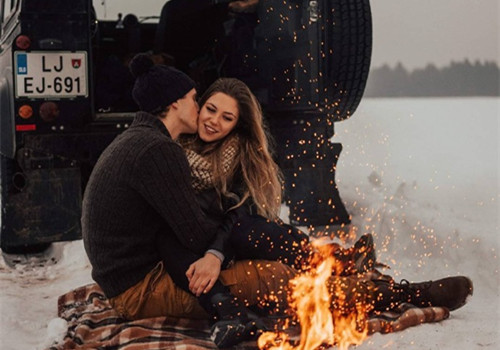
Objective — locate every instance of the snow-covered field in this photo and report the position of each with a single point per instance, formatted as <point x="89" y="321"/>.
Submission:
<point x="421" y="174"/>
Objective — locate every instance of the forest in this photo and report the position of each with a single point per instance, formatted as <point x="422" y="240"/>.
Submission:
<point x="456" y="79"/>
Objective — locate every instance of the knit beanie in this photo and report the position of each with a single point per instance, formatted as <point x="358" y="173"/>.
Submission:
<point x="157" y="86"/>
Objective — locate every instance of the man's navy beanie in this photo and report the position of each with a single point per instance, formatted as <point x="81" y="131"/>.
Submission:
<point x="157" y="86"/>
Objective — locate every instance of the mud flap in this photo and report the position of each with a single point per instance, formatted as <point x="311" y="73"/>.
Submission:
<point x="311" y="192"/>
<point x="46" y="209"/>
<point x="308" y="160"/>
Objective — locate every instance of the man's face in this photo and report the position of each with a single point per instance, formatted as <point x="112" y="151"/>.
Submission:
<point x="188" y="110"/>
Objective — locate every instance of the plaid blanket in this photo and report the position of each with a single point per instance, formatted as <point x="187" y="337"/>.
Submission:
<point x="93" y="324"/>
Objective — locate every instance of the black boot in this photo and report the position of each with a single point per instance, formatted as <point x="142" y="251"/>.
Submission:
<point x="449" y="292"/>
<point x="235" y="323"/>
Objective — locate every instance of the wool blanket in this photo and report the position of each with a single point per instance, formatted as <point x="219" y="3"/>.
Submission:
<point x="93" y="324"/>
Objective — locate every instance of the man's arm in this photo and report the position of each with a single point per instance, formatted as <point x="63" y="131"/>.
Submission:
<point x="219" y="214"/>
<point x="165" y="182"/>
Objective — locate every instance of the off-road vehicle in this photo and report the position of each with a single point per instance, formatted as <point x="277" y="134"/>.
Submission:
<point x="65" y="92"/>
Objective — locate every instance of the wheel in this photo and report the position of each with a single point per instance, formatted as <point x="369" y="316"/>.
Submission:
<point x="26" y="249"/>
<point x="312" y="56"/>
<point x="349" y="64"/>
<point x="313" y="64"/>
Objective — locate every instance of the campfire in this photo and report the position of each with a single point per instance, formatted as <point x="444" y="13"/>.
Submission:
<point x="325" y="306"/>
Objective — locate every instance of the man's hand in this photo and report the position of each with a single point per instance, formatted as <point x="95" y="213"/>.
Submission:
<point x="203" y="273"/>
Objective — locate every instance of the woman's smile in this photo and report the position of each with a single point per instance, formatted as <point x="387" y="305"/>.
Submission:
<point x="209" y="129"/>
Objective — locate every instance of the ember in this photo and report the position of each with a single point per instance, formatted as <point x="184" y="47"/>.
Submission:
<point x="324" y="307"/>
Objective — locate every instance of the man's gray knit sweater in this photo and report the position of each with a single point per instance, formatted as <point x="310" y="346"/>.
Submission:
<point x="140" y="188"/>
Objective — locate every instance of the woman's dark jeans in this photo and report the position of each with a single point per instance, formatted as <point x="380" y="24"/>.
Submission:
<point x="255" y="237"/>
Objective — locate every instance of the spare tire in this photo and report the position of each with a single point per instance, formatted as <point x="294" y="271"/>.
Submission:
<point x="313" y="56"/>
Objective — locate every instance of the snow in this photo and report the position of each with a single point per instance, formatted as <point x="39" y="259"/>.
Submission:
<point x="421" y="174"/>
<point x="28" y="315"/>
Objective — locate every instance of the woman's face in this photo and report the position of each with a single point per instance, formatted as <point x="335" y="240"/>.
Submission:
<point x="218" y="117"/>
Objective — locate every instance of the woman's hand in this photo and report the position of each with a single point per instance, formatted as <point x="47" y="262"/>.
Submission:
<point x="203" y="273"/>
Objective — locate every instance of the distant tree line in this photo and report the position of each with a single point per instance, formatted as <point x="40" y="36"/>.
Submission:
<point x="457" y="79"/>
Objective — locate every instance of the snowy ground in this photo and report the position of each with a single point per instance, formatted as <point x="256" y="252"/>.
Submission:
<point x="421" y="174"/>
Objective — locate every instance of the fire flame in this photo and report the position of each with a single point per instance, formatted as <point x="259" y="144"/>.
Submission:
<point x="328" y="313"/>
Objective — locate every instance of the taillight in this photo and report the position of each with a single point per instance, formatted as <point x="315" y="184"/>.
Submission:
<point x="23" y="42"/>
<point x="25" y="111"/>
<point x="49" y="111"/>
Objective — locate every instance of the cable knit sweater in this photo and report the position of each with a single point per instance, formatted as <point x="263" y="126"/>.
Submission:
<point x="141" y="188"/>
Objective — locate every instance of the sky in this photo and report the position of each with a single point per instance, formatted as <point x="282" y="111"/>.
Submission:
<point x="418" y="32"/>
<point x="413" y="32"/>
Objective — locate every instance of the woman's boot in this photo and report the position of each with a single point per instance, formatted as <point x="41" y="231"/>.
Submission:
<point x="235" y="323"/>
<point x="449" y="292"/>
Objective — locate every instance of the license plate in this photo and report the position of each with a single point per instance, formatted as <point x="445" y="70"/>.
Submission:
<point x="51" y="74"/>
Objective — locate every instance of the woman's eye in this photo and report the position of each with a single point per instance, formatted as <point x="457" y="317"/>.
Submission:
<point x="210" y="109"/>
<point x="228" y="119"/>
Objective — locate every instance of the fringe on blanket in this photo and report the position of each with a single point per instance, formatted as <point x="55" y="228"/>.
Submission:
<point x="93" y="324"/>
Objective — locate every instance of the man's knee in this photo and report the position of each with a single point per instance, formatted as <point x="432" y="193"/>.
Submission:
<point x="157" y="295"/>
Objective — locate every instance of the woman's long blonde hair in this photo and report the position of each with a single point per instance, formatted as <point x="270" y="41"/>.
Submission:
<point x="261" y="175"/>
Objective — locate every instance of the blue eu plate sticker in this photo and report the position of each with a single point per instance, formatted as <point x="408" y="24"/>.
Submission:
<point x="22" y="63"/>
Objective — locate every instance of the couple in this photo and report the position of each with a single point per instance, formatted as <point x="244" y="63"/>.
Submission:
<point x="162" y="224"/>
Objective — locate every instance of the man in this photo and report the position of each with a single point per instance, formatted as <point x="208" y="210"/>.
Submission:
<point x="139" y="206"/>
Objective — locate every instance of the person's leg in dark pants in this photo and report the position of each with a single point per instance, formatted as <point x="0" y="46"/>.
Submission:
<point x="255" y="237"/>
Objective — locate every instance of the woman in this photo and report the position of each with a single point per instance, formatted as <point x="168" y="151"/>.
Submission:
<point x="232" y="170"/>
<point x="232" y="167"/>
